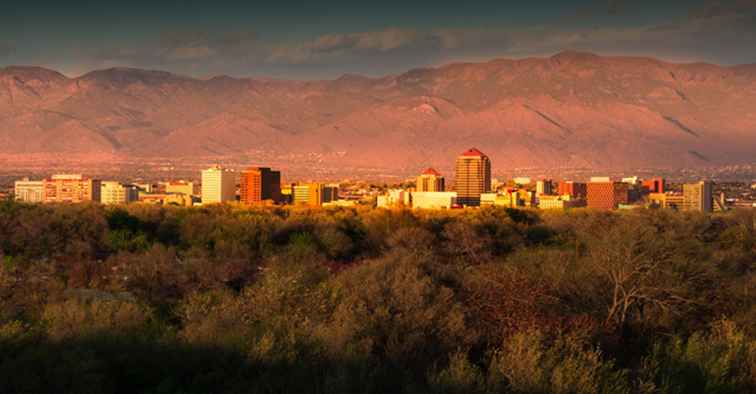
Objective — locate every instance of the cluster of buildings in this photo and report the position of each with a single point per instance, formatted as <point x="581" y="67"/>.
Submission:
<point x="473" y="187"/>
<point x="253" y="186"/>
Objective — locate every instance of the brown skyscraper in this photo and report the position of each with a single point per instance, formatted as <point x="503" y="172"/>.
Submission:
<point x="473" y="177"/>
<point x="430" y="181"/>
<point x="259" y="184"/>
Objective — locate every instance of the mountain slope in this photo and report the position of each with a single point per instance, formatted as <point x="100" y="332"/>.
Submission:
<point x="570" y="110"/>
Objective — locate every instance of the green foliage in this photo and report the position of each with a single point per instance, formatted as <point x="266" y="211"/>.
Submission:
<point x="722" y="360"/>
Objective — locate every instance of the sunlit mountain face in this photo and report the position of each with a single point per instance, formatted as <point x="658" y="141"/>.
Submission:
<point x="573" y="109"/>
<point x="582" y="83"/>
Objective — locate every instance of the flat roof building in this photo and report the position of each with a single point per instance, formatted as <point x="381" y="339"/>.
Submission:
<point x="29" y="191"/>
<point x="115" y="193"/>
<point x="607" y="195"/>
<point x="218" y="185"/>
<point x="698" y="197"/>
<point x="314" y="194"/>
<point x="434" y="200"/>
<point x="180" y="187"/>
<point x="572" y="189"/>
<point x="260" y="184"/>
<point x="71" y="188"/>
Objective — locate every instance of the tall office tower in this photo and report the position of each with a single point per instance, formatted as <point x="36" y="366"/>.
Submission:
<point x="473" y="177"/>
<point x="573" y="189"/>
<point x="698" y="196"/>
<point x="543" y="187"/>
<point x="29" y="191"/>
<point x="218" y="185"/>
<point x="607" y="195"/>
<point x="114" y="193"/>
<point x="260" y="184"/>
<point x="430" y="181"/>
<point x="71" y="188"/>
<point x="654" y="185"/>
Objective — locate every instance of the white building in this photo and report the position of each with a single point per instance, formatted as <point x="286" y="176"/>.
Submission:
<point x="521" y="180"/>
<point x="114" y="193"/>
<point x="395" y="198"/>
<point x="218" y="185"/>
<point x="433" y="200"/>
<point x="29" y="191"/>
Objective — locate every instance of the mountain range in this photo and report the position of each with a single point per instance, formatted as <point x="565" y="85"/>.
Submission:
<point x="571" y="110"/>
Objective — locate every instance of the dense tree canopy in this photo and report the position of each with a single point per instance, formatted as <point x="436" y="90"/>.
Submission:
<point x="272" y="300"/>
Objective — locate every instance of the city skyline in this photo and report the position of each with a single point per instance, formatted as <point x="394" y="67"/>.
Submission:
<point x="473" y="187"/>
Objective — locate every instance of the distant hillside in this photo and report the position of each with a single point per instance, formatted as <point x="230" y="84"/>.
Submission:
<point x="569" y="110"/>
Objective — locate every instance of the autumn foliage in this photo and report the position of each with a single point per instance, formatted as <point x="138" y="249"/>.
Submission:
<point x="277" y="300"/>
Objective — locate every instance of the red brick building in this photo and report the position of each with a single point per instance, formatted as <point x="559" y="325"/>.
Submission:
<point x="607" y="195"/>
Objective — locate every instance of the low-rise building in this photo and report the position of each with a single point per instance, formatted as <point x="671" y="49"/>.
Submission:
<point x="573" y="189"/>
<point x="394" y="198"/>
<point x="71" y="188"/>
<point x="180" y="187"/>
<point x="560" y="202"/>
<point x="666" y="200"/>
<point x="433" y="200"/>
<point x="314" y="194"/>
<point x="507" y="198"/>
<point x="115" y="193"/>
<point x="26" y="190"/>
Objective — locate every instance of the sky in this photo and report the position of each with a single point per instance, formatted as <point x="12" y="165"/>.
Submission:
<point x="326" y="39"/>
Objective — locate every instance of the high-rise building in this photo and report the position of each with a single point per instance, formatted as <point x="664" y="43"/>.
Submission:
<point x="114" y="193"/>
<point x="572" y="189"/>
<point x="260" y="184"/>
<point x="430" y="181"/>
<point x="544" y="187"/>
<point x="218" y="185"/>
<point x="473" y="177"/>
<point x="29" y="191"/>
<point x="607" y="195"/>
<point x="698" y="196"/>
<point x="71" y="188"/>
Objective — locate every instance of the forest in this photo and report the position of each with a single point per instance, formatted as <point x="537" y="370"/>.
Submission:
<point x="231" y="299"/>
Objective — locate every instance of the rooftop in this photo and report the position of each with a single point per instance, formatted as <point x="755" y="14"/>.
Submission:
<point x="473" y="152"/>
<point x="431" y="171"/>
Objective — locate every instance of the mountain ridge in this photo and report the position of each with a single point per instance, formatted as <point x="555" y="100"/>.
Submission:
<point x="572" y="109"/>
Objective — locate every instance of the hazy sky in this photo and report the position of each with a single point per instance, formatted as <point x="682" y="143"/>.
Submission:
<point x="324" y="39"/>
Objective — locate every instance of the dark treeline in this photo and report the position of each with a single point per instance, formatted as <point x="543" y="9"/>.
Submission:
<point x="145" y="299"/>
